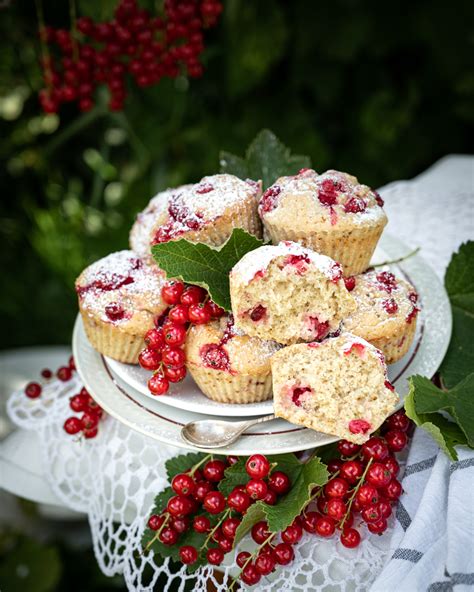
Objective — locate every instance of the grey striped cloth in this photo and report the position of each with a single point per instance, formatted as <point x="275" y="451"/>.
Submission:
<point x="432" y="546"/>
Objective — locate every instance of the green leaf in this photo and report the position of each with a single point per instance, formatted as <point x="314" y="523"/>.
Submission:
<point x="254" y="514"/>
<point x="31" y="567"/>
<point x="459" y="279"/>
<point x="425" y="400"/>
<point x="203" y="265"/>
<point x="281" y="515"/>
<point x="459" y="282"/>
<point x="266" y="158"/>
<point x="182" y="463"/>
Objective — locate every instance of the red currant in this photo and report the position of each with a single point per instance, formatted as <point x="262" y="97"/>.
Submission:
<point x="336" y="487"/>
<point x="188" y="554"/>
<point x="398" y="421"/>
<point x="322" y="503"/>
<point x="371" y="513"/>
<point x="392" y="465"/>
<point x="149" y="359"/>
<point x="265" y="563"/>
<point x="393" y="490"/>
<point x="336" y="508"/>
<point x="279" y="482"/>
<point x="257" y="489"/>
<point x="46" y="373"/>
<point x="171" y="292"/>
<point x="91" y="433"/>
<point x="155" y="521"/>
<point x="225" y="544"/>
<point x="214" y="470"/>
<point x="350" y="538"/>
<point x="168" y="536"/>
<point x="283" y="553"/>
<point x="257" y="466"/>
<point x="216" y="311"/>
<point x="347" y="448"/>
<point x="175" y="374"/>
<point x="334" y="465"/>
<point x="378" y="475"/>
<point x="214" y="502"/>
<point x="201" y="524"/>
<point x="202" y="489"/>
<point x="174" y="334"/>
<point x="33" y="390"/>
<point x="192" y="295"/>
<point x="396" y="440"/>
<point x="79" y="402"/>
<point x="270" y="498"/>
<point x="181" y="525"/>
<point x="325" y="526"/>
<point x="154" y="338"/>
<point x="385" y="508"/>
<point x="89" y="420"/>
<point x="64" y="373"/>
<point x="232" y="460"/>
<point x="292" y="534"/>
<point x="72" y="425"/>
<point x="367" y="495"/>
<point x="378" y="527"/>
<point x="215" y="556"/>
<point x="199" y="314"/>
<point x="173" y="357"/>
<point x="242" y="558"/>
<point x="375" y="448"/>
<point x="179" y="506"/>
<point x="179" y="314"/>
<point x="250" y="574"/>
<point x="238" y="500"/>
<point x="351" y="471"/>
<point x="260" y="532"/>
<point x="183" y="484"/>
<point x="229" y="527"/>
<point x="158" y="384"/>
<point x="309" y="521"/>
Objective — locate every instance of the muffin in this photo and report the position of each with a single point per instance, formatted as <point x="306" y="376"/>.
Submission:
<point x="287" y="293"/>
<point x="330" y="213"/>
<point x="386" y="312"/>
<point x="145" y="221"/>
<point x="119" y="298"/>
<point x="338" y="387"/>
<point x="227" y="365"/>
<point x="206" y="212"/>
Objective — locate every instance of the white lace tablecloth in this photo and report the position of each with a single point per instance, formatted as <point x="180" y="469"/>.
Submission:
<point x="114" y="478"/>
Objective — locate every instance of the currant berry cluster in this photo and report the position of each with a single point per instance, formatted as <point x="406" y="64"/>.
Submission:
<point x="133" y="44"/>
<point x="362" y="489"/>
<point x="88" y="422"/>
<point x="164" y="354"/>
<point x="34" y="389"/>
<point x="198" y="503"/>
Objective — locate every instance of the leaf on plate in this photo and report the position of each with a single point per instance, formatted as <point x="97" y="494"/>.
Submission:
<point x="266" y="158"/>
<point x="200" y="264"/>
<point x="424" y="403"/>
<point x="182" y="463"/>
<point x="459" y="282"/>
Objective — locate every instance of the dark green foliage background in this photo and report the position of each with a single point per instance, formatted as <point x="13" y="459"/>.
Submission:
<point x="381" y="89"/>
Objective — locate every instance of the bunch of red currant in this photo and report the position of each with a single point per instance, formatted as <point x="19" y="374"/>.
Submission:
<point x="92" y="413"/>
<point x="134" y="42"/>
<point x="164" y="355"/>
<point x="88" y="422"/>
<point x="362" y="489"/>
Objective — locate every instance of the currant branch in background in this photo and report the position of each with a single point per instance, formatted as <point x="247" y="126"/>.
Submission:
<point x="135" y="45"/>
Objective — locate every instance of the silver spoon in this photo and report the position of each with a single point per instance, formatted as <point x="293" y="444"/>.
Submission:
<point x="215" y="433"/>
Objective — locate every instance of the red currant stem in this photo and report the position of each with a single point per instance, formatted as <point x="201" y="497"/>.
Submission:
<point x="158" y="532"/>
<point x="206" y="542"/>
<point x="253" y="555"/>
<point x="44" y="45"/>
<point x="197" y="465"/>
<point x="399" y="260"/>
<point x="356" y="489"/>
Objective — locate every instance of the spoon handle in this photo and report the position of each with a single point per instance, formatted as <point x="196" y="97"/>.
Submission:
<point x="251" y="422"/>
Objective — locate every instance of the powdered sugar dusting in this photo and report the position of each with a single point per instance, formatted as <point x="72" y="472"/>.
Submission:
<point x="259" y="259"/>
<point x="120" y="282"/>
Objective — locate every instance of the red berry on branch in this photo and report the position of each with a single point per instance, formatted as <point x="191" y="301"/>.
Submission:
<point x="270" y="498"/>
<point x="33" y="390"/>
<point x="351" y="471"/>
<point x="238" y="500"/>
<point x="173" y="357"/>
<point x="188" y="554"/>
<point x="378" y="527"/>
<point x="168" y="536"/>
<point x="229" y="527"/>
<point x="216" y="311"/>
<point x="350" y="538"/>
<point x="375" y="448"/>
<point x="257" y="466"/>
<point x="175" y="374"/>
<point x="214" y="502"/>
<point x="183" y="484"/>
<point x="250" y="575"/>
<point x="199" y="314"/>
<point x="202" y="489"/>
<point x="85" y="104"/>
<point x="46" y="373"/>
<point x="378" y="475"/>
<point x="336" y="487"/>
<point x="283" y="553"/>
<point x="325" y="526"/>
<point x="396" y="440"/>
<point x="260" y="532"/>
<point x="398" y="421"/>
<point x="89" y="421"/>
<point x="336" y="508"/>
<point x="91" y="433"/>
<point x="334" y="465"/>
<point x="367" y="495"/>
<point x="279" y="482"/>
<point x="174" y="334"/>
<point x="179" y="314"/>
<point x="347" y="448"/>
<point x="292" y="534"/>
<point x="393" y="490"/>
<point x="392" y="465"/>
<point x="172" y="291"/>
<point x="179" y="506"/>
<point x="242" y="558"/>
<point x="154" y="338"/>
<point x="265" y="563"/>
<point x="193" y="295"/>
<point x="372" y="513"/>
<point x="155" y="521"/>
<point x="201" y="524"/>
<point x="214" y="470"/>
<point x="64" y="373"/>
<point x="257" y="489"/>
<point x="158" y="384"/>
<point x="385" y="507"/>
<point x="215" y="556"/>
<point x="225" y="544"/>
<point x="181" y="525"/>
<point x="72" y="425"/>
<point x="149" y="359"/>
<point x="309" y="521"/>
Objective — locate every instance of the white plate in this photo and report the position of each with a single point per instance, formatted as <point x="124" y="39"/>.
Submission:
<point x="155" y="417"/>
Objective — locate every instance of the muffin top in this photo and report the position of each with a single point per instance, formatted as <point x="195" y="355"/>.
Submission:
<point x="219" y="345"/>
<point x="330" y="200"/>
<point x="123" y="290"/>
<point x="384" y="302"/>
<point x="254" y="264"/>
<point x="191" y="207"/>
<point x="140" y="235"/>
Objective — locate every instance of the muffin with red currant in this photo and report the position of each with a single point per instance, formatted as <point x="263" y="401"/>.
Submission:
<point x="331" y="213"/>
<point x="338" y="386"/>
<point x="288" y="293"/>
<point x="206" y="212"/>
<point x="386" y="312"/>
<point x="145" y="221"/>
<point x="227" y="365"/>
<point x="119" y="298"/>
